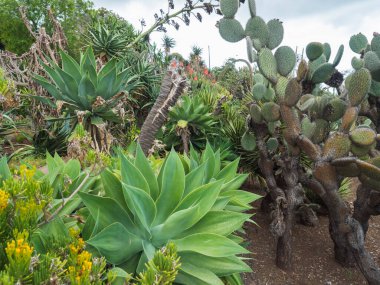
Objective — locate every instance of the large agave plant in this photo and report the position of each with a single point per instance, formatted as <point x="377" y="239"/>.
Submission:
<point x="191" y="201"/>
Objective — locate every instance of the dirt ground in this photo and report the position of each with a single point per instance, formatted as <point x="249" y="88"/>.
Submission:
<point x="313" y="257"/>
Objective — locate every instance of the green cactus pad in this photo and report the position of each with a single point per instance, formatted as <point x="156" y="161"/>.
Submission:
<point x="338" y="145"/>
<point x="231" y="30"/>
<point x="293" y="92"/>
<point x="259" y="91"/>
<point x="257" y="44"/>
<point x="272" y="144"/>
<point x="248" y="141"/>
<point x="321" y="131"/>
<point x="308" y="127"/>
<point x="256" y="28"/>
<point x="229" y="7"/>
<point x="276" y="33"/>
<point x="314" y="50"/>
<point x="280" y="87"/>
<point x="302" y="70"/>
<point x="267" y="64"/>
<point x="359" y="86"/>
<point x="270" y="95"/>
<point x="371" y="61"/>
<point x="334" y="110"/>
<point x="258" y="78"/>
<point x="375" y="44"/>
<point x="286" y="60"/>
<point x="349" y="119"/>
<point x="252" y="7"/>
<point x="363" y="136"/>
<point x="255" y="112"/>
<point x="327" y="51"/>
<point x="323" y="73"/>
<point x="357" y="63"/>
<point x="358" y="43"/>
<point x="273" y="126"/>
<point x="338" y="56"/>
<point x="270" y="111"/>
<point x="375" y="88"/>
<point x="313" y="65"/>
<point x="252" y="55"/>
<point x="375" y="161"/>
<point x="360" y="151"/>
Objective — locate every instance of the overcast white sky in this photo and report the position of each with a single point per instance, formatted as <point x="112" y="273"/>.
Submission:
<point x="332" y="21"/>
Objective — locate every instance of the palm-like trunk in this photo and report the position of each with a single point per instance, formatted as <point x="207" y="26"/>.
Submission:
<point x="173" y="85"/>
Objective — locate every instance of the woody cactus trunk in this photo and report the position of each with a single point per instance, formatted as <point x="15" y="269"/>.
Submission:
<point x="291" y="117"/>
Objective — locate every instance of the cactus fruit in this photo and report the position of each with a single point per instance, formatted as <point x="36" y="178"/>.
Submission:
<point x="323" y="73"/>
<point x="272" y="144"/>
<point x="334" y="110"/>
<point x="349" y="119"/>
<point x="308" y="127"/>
<point x="248" y="141"/>
<point x="270" y="111"/>
<point x="231" y="30"/>
<point x="327" y="51"/>
<point x="359" y="86"/>
<point x="256" y="28"/>
<point x="252" y="55"/>
<point x="357" y="63"/>
<point x="276" y="33"/>
<point x="252" y="7"/>
<point x="293" y="92"/>
<point x="358" y="43"/>
<point x="338" y="56"/>
<point x="270" y="95"/>
<point x="286" y="60"/>
<point x="259" y="91"/>
<point x="267" y="64"/>
<point x="363" y="136"/>
<point x="375" y="44"/>
<point x="302" y="70"/>
<point x="255" y="112"/>
<point x="321" y="131"/>
<point x="314" y="50"/>
<point x="229" y="7"/>
<point x="338" y="145"/>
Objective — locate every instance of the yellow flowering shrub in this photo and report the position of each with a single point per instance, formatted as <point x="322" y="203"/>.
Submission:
<point x="4" y="196"/>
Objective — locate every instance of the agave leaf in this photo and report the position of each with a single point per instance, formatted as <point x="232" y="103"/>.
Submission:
<point x="116" y="243"/>
<point x="112" y="187"/>
<point x="229" y="172"/>
<point x="172" y="187"/>
<point x="202" y="274"/>
<point x="53" y="91"/>
<point x="220" y="266"/>
<point x="235" y="183"/>
<point x="132" y="175"/>
<point x="70" y="85"/>
<point x="70" y="66"/>
<point x="194" y="178"/>
<point x="106" y="69"/>
<point x="106" y="83"/>
<point x="86" y="92"/>
<point x="144" y="207"/>
<point x="5" y="173"/>
<point x="142" y="163"/>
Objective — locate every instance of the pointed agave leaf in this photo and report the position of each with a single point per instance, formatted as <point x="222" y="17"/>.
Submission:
<point x="235" y="183"/>
<point x="107" y="68"/>
<point x="149" y="249"/>
<point x="218" y="222"/>
<point x="88" y="65"/>
<point x="110" y="209"/>
<point x="202" y="274"/>
<point x="116" y="244"/>
<point x="112" y="187"/>
<point x="143" y="205"/>
<point x="172" y="187"/>
<point x="53" y="91"/>
<point x="105" y="84"/>
<point x="132" y="176"/>
<point x="220" y="266"/>
<point x="194" y="178"/>
<point x="142" y="163"/>
<point x="70" y="66"/>
<point x="71" y="86"/>
<point x="210" y="245"/>
<point x="86" y="92"/>
<point x="229" y="172"/>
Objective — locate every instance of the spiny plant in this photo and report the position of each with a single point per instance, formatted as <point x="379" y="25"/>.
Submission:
<point x="287" y="119"/>
<point x="90" y="96"/>
<point x="143" y="208"/>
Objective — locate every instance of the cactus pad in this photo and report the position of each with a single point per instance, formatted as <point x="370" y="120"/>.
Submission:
<point x="369" y="170"/>
<point x="349" y="118"/>
<point x="272" y="144"/>
<point x="276" y="33"/>
<point x="302" y="70"/>
<point x="256" y="28"/>
<point x="321" y="131"/>
<point x="359" y="86"/>
<point x="308" y="127"/>
<point x="357" y="63"/>
<point x="248" y="141"/>
<point x="280" y="87"/>
<point x="259" y="91"/>
<point x="371" y="61"/>
<point x="360" y="151"/>
<point x="252" y="7"/>
<point x="293" y="92"/>
<point x="336" y="146"/>
<point x="358" y="43"/>
<point x="369" y="182"/>
<point x="270" y="111"/>
<point x="338" y="56"/>
<point x="314" y="50"/>
<point x="375" y="44"/>
<point x="252" y="55"/>
<point x="375" y="88"/>
<point x="255" y="112"/>
<point x="270" y="95"/>
<point x="229" y="7"/>
<point x="231" y="30"/>
<point x="334" y="110"/>
<point x="286" y="60"/>
<point x="327" y="51"/>
<point x="313" y="65"/>
<point x="267" y="64"/>
<point x="323" y="73"/>
<point x="363" y="136"/>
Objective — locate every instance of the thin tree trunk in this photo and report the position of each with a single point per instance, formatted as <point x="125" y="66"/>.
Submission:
<point x="171" y="89"/>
